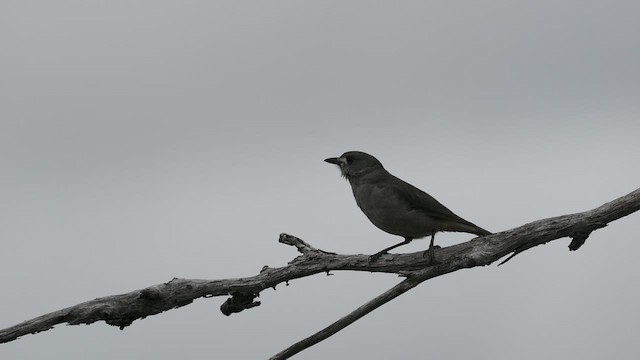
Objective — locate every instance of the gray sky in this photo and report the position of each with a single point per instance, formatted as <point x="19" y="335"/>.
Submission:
<point x="141" y="141"/>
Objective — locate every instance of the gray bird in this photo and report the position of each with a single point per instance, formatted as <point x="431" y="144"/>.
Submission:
<point x="395" y="206"/>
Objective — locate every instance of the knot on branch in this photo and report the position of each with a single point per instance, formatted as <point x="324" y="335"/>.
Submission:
<point x="121" y="323"/>
<point x="581" y="232"/>
<point x="239" y="301"/>
<point x="151" y="293"/>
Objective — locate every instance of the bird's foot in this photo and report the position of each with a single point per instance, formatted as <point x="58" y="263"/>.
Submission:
<point x="431" y="254"/>
<point x="375" y="256"/>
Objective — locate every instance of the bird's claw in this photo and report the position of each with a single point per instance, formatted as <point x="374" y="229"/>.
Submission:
<point x="431" y="254"/>
<point x="375" y="256"/>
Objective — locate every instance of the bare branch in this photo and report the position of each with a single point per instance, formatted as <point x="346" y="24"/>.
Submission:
<point x="581" y="229"/>
<point x="413" y="279"/>
<point x="122" y="310"/>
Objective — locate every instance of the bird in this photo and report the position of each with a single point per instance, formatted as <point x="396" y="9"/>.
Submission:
<point x="395" y="206"/>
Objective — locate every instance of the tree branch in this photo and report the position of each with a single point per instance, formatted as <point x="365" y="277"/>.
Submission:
<point x="413" y="279"/>
<point x="122" y="310"/>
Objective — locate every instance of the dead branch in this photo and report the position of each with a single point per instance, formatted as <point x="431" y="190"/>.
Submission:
<point x="122" y="310"/>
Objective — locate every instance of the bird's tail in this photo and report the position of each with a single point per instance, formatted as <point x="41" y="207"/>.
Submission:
<point x="480" y="231"/>
<point x="463" y="226"/>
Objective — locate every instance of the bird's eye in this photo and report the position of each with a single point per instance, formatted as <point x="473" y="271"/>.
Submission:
<point x="348" y="159"/>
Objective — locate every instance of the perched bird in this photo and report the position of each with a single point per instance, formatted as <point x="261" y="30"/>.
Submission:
<point x="395" y="206"/>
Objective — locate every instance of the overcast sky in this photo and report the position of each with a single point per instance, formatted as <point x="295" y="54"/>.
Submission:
<point x="146" y="140"/>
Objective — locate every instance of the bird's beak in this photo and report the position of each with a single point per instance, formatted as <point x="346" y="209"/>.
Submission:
<point x="336" y="161"/>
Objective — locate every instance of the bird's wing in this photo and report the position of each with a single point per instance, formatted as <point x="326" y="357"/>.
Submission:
<point x="419" y="200"/>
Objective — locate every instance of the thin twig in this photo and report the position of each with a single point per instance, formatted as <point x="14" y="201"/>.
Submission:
<point x="413" y="280"/>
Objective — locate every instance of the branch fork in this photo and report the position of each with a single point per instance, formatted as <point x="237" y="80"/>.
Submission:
<point x="122" y="310"/>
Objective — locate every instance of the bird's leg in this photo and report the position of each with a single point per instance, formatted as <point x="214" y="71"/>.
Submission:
<point x="430" y="250"/>
<point x="384" y="251"/>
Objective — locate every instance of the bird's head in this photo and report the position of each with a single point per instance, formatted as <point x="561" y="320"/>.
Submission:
<point x="355" y="163"/>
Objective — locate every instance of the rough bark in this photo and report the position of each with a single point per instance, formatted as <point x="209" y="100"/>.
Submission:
<point x="121" y="310"/>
